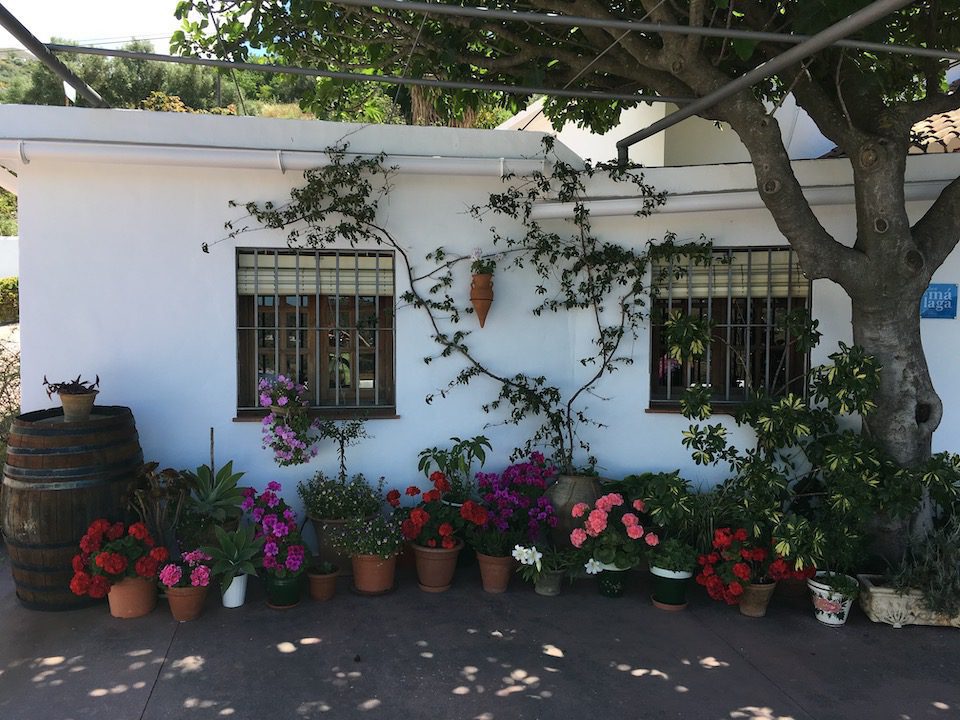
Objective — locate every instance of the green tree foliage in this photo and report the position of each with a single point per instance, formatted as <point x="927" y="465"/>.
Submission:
<point x="8" y="212"/>
<point x="865" y="102"/>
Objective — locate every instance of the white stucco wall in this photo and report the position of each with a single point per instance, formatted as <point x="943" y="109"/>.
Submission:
<point x="113" y="283"/>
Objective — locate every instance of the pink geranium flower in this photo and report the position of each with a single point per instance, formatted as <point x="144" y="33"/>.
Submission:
<point x="578" y="536"/>
<point x="634" y="532"/>
<point x="629" y="519"/>
<point x="579" y="509"/>
<point x="653" y="540"/>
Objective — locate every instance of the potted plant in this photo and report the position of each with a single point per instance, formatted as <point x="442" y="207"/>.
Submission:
<point x="671" y="565"/>
<point x="373" y="545"/>
<point x="456" y="463"/>
<point x="545" y="566"/>
<point x="158" y="497"/>
<point x="513" y="509"/>
<point x="186" y="582"/>
<point x="76" y="396"/>
<point x="284" y="554"/>
<point x="235" y="556"/>
<point x="924" y="589"/>
<point x="288" y="429"/>
<point x="611" y="538"/>
<point x="481" y="284"/>
<point x="212" y="499"/>
<point x="743" y="571"/>
<point x="322" y="580"/>
<point x="431" y="526"/>
<point x="121" y="563"/>
<point x="833" y="595"/>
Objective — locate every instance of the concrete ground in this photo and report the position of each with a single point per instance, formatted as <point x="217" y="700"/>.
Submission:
<point x="467" y="654"/>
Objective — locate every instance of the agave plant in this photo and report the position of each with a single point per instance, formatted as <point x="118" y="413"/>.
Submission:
<point x="236" y="553"/>
<point x="215" y="496"/>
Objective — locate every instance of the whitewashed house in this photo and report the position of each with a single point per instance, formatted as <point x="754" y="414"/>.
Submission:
<point x="115" y="206"/>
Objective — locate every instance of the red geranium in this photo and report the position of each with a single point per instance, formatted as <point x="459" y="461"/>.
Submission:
<point x="737" y="561"/>
<point x="433" y="522"/>
<point x="110" y="552"/>
<point x="393" y="497"/>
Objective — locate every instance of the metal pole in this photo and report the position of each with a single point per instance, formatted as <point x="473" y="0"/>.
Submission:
<point x="643" y="27"/>
<point x="359" y="77"/>
<point x="40" y="51"/>
<point x="851" y="23"/>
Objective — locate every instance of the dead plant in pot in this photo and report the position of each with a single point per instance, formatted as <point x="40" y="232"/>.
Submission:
<point x="76" y="397"/>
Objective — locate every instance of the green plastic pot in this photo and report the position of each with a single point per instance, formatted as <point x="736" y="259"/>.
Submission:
<point x="283" y="592"/>
<point x="669" y="588"/>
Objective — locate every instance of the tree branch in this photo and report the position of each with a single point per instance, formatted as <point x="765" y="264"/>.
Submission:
<point x="937" y="232"/>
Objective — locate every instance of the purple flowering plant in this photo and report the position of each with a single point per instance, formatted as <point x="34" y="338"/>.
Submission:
<point x="517" y="509"/>
<point x="192" y="570"/>
<point x="284" y="554"/>
<point x="287" y="428"/>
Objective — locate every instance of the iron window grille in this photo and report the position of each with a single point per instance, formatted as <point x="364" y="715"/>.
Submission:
<point x="744" y="292"/>
<point x="321" y="317"/>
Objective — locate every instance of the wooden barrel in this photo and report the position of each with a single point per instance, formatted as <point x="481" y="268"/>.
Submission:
<point x="59" y="478"/>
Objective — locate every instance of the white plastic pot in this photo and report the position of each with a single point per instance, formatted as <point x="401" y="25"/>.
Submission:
<point x="236" y="592"/>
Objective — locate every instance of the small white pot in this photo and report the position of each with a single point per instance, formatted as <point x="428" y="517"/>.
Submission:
<point x="236" y="592"/>
<point x="829" y="607"/>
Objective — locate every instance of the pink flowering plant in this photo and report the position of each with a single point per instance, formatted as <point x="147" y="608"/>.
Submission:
<point x="192" y="570"/>
<point x="284" y="554"/>
<point x="613" y="532"/>
<point x="288" y="429"/>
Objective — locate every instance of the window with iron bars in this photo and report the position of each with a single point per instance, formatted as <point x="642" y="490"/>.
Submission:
<point x="745" y="293"/>
<point x="321" y="317"/>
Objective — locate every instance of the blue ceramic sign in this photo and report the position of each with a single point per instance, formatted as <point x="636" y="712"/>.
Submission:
<point x="939" y="302"/>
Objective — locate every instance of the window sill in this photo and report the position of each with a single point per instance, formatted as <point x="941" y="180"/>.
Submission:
<point x="675" y="410"/>
<point x="326" y="414"/>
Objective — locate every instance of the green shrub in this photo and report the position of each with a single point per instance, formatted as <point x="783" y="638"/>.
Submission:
<point x="9" y="300"/>
<point x="9" y="391"/>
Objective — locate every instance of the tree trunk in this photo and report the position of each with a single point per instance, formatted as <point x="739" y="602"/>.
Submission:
<point x="908" y="408"/>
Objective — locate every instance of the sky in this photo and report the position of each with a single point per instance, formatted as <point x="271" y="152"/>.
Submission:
<point x="105" y="23"/>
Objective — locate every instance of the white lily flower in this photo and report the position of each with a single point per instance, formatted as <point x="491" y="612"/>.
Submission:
<point x="592" y="567"/>
<point x="519" y="553"/>
<point x="536" y="556"/>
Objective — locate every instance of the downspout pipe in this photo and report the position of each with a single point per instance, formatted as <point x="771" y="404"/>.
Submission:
<point x="40" y="51"/>
<point x="852" y="23"/>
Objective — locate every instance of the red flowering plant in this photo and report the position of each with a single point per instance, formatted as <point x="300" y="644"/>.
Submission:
<point x="110" y="552"/>
<point x="433" y="522"/>
<point x="736" y="561"/>
<point x="515" y="507"/>
<point x="615" y="533"/>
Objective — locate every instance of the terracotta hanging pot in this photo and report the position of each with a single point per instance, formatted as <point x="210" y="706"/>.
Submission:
<point x="495" y="572"/>
<point x="372" y="574"/>
<point x="132" y="597"/>
<point x="755" y="598"/>
<point x="186" y="603"/>
<point x="436" y="566"/>
<point x="481" y="295"/>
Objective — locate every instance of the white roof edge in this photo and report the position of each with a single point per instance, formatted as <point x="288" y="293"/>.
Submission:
<point x="137" y="127"/>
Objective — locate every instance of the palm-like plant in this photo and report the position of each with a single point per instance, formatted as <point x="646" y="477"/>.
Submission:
<point x="236" y="553"/>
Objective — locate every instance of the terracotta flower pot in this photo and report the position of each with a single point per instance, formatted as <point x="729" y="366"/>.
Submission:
<point x="755" y="598"/>
<point x="326" y="530"/>
<point x="77" y="406"/>
<point x="495" y="572"/>
<point x="132" y="597"/>
<point x="323" y="586"/>
<point x="186" y="603"/>
<point x="372" y="574"/>
<point x="436" y="566"/>
<point x="481" y="295"/>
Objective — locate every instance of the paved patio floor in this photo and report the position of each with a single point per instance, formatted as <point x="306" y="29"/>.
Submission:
<point x="467" y="654"/>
